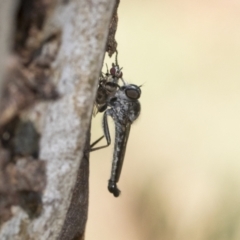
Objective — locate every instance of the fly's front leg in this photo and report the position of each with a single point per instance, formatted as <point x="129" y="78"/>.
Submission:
<point x="106" y="134"/>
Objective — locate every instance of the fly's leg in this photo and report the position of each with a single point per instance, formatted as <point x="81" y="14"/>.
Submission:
<point x="94" y="143"/>
<point x="112" y="188"/>
<point x="112" y="185"/>
<point x="106" y="134"/>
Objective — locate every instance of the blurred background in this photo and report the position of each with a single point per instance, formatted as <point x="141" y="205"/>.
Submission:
<point x="181" y="174"/>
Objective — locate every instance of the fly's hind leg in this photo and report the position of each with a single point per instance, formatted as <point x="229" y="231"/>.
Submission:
<point x="106" y="134"/>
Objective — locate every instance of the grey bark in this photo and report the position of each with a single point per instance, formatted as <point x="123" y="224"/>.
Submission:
<point x="84" y="27"/>
<point x="7" y="9"/>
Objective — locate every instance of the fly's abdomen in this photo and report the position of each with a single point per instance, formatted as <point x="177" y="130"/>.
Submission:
<point x="121" y="138"/>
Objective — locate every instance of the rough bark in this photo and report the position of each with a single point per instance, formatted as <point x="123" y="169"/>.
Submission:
<point x="75" y="221"/>
<point x="7" y="9"/>
<point x="81" y="26"/>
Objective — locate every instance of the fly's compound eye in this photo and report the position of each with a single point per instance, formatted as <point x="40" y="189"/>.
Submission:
<point x="115" y="71"/>
<point x="133" y="93"/>
<point x="111" y="87"/>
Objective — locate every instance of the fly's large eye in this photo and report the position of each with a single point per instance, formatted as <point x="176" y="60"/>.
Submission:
<point x="115" y="71"/>
<point x="133" y="93"/>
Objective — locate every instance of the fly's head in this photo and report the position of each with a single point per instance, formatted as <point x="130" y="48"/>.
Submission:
<point x="116" y="72"/>
<point x="129" y="92"/>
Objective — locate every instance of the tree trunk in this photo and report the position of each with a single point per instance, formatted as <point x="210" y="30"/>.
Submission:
<point x="75" y="32"/>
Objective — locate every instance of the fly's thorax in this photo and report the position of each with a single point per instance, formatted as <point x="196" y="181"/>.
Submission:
<point x="135" y="111"/>
<point x="124" y="111"/>
<point x="111" y="87"/>
<point x="121" y="95"/>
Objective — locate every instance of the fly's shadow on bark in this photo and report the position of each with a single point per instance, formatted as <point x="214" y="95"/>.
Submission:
<point x="26" y="82"/>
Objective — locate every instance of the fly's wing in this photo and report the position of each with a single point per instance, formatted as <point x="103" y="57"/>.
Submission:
<point x="95" y="110"/>
<point x="99" y="108"/>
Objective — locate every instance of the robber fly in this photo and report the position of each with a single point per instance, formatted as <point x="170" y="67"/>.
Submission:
<point x="124" y="108"/>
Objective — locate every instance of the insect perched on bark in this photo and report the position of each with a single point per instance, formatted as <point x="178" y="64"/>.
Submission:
<point x="107" y="87"/>
<point x="124" y="108"/>
<point x="106" y="90"/>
